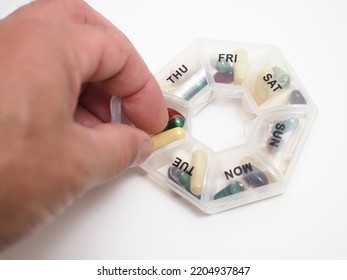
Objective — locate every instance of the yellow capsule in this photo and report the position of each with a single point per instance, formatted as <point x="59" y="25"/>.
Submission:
<point x="241" y="66"/>
<point x="280" y="163"/>
<point x="164" y="138"/>
<point x="199" y="161"/>
<point x="261" y="88"/>
<point x="278" y="99"/>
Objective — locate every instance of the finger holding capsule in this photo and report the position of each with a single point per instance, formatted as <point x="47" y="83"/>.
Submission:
<point x="169" y="136"/>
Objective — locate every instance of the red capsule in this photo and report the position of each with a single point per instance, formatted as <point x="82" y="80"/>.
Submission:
<point x="223" y="78"/>
<point x="173" y="113"/>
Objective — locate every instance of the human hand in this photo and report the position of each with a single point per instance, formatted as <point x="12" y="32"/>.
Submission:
<point x="61" y="62"/>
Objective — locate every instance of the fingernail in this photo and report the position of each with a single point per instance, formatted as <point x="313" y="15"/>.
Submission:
<point x="144" y="151"/>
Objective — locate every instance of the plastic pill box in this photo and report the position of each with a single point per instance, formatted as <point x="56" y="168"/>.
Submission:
<point x="203" y="155"/>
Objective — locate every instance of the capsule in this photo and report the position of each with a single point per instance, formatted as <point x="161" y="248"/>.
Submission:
<point x="180" y="177"/>
<point x="274" y="145"/>
<point x="175" y="121"/>
<point x="164" y="138"/>
<point x="276" y="100"/>
<point x="281" y="76"/>
<point x="199" y="161"/>
<point x="173" y="113"/>
<point x="261" y="89"/>
<point x="241" y="66"/>
<point x="224" y="78"/>
<point x="256" y="178"/>
<point x="279" y="162"/>
<point x="296" y="97"/>
<point x="289" y="125"/>
<point x="181" y="155"/>
<point x="190" y="87"/>
<point x="222" y="65"/>
<point x="232" y="188"/>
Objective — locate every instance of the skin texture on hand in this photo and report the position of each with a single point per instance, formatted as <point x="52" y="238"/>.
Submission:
<point x="61" y="62"/>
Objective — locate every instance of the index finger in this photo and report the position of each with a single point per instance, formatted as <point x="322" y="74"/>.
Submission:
<point x="103" y="54"/>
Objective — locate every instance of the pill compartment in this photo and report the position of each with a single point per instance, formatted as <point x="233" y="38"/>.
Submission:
<point x="272" y="84"/>
<point x="213" y="171"/>
<point x="241" y="177"/>
<point x="186" y="167"/>
<point x="228" y="64"/>
<point x="280" y="136"/>
<point x="185" y="80"/>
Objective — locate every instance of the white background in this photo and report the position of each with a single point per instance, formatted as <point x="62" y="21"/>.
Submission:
<point x="136" y="218"/>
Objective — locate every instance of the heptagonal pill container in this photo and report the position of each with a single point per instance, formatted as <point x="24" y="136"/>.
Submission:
<point x="238" y="119"/>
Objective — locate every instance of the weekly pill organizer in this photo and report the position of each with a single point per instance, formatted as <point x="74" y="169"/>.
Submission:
<point x="202" y="154"/>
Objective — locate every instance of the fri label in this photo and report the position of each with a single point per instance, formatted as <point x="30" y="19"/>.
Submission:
<point x="228" y="57"/>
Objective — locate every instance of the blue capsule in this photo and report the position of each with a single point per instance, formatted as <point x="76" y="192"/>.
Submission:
<point x="181" y="178"/>
<point x="223" y="67"/>
<point x="287" y="125"/>
<point x="281" y="76"/>
<point x="275" y="142"/>
<point x="296" y="97"/>
<point x="256" y="178"/>
<point x="225" y="71"/>
<point x="232" y="188"/>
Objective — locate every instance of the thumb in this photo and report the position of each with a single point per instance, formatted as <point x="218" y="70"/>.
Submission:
<point x="112" y="148"/>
